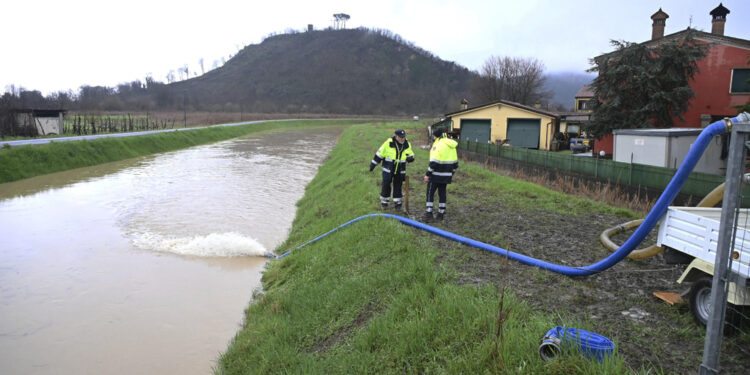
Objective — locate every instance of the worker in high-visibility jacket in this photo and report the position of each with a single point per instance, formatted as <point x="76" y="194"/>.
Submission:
<point x="394" y="154"/>
<point x="443" y="162"/>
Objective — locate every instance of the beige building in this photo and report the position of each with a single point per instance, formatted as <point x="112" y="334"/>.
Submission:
<point x="505" y="122"/>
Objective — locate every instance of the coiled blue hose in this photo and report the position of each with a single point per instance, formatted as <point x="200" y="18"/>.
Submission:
<point x="636" y="238"/>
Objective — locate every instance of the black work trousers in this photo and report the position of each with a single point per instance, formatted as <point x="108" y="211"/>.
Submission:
<point x="442" y="196"/>
<point x="385" y="192"/>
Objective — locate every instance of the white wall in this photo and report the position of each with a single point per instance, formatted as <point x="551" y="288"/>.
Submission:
<point x="667" y="151"/>
<point x="48" y="125"/>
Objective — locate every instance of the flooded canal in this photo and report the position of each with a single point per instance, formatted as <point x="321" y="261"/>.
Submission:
<point x="145" y="266"/>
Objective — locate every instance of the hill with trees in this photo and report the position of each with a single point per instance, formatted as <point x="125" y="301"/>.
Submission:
<point x="353" y="71"/>
<point x="345" y="71"/>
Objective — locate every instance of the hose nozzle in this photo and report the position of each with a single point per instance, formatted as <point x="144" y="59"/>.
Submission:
<point x="550" y="348"/>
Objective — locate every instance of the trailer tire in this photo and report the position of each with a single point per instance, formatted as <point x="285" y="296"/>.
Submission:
<point x="700" y="300"/>
<point x="700" y="305"/>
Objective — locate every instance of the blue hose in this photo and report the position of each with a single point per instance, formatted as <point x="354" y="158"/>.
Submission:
<point x="591" y="344"/>
<point x="636" y="238"/>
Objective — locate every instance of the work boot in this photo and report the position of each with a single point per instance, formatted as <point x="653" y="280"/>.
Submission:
<point x="427" y="216"/>
<point x="440" y="215"/>
<point x="383" y="206"/>
<point x="397" y="207"/>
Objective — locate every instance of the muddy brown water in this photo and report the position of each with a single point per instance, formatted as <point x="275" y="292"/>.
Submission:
<point x="145" y="266"/>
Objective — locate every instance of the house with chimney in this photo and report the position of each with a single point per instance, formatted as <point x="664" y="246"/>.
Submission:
<point x="722" y="81"/>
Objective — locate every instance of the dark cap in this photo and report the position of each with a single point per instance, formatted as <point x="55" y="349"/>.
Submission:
<point x="438" y="132"/>
<point x="400" y="133"/>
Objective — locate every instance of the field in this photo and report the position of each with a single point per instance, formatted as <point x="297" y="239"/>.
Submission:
<point x="85" y="123"/>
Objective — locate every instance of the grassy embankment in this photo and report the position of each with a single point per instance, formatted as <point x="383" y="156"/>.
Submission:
<point x="374" y="297"/>
<point x="28" y="161"/>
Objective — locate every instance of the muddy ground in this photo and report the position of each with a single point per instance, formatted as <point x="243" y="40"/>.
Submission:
<point x="618" y="303"/>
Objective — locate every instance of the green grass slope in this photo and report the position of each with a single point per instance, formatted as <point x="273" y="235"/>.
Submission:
<point x="373" y="297"/>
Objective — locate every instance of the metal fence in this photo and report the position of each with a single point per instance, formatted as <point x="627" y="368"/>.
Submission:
<point x="698" y="184"/>
<point x="728" y="298"/>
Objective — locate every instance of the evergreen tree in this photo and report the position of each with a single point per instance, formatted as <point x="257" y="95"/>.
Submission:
<point x="643" y="86"/>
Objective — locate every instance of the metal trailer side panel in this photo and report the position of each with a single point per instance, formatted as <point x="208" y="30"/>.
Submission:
<point x="694" y="231"/>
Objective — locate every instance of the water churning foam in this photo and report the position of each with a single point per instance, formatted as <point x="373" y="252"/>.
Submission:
<point x="211" y="245"/>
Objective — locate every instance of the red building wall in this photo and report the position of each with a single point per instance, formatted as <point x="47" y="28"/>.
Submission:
<point x="605" y="143"/>
<point x="711" y="87"/>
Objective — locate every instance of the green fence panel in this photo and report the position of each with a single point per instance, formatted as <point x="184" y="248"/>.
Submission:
<point x="698" y="184"/>
<point x="559" y="161"/>
<point x="702" y="183"/>
<point x="650" y="176"/>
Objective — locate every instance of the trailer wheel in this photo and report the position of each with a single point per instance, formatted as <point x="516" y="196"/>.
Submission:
<point x="700" y="306"/>
<point x="700" y="300"/>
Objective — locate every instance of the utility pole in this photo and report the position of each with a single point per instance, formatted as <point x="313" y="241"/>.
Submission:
<point x="184" y="108"/>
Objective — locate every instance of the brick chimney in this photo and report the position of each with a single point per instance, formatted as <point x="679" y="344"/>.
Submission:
<point x="719" y="15"/>
<point x="464" y="104"/>
<point x="660" y="20"/>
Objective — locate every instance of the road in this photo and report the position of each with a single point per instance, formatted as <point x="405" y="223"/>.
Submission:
<point x="40" y="141"/>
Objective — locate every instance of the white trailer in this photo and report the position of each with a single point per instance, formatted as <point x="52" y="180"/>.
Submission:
<point x="694" y="231"/>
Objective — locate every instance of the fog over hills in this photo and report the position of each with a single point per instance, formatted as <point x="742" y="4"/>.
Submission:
<point x="565" y="85"/>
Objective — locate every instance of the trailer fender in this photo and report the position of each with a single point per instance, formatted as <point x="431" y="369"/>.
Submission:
<point x="695" y="270"/>
<point x="738" y="294"/>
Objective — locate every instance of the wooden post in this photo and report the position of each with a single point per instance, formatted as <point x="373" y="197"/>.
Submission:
<point x="406" y="195"/>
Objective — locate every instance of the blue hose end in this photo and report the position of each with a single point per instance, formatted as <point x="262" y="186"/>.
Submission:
<point x="592" y="345"/>
<point x="550" y="347"/>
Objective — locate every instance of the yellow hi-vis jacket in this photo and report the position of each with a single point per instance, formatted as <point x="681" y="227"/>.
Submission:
<point x="394" y="156"/>
<point x="443" y="160"/>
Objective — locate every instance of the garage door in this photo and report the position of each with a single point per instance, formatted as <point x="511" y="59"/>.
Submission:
<point x="475" y="130"/>
<point x="524" y="132"/>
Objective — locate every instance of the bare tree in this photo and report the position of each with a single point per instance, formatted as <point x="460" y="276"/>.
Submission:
<point x="170" y="76"/>
<point x="511" y="78"/>
<point x="203" y="71"/>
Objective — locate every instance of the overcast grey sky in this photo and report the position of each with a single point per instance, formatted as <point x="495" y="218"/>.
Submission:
<point x="52" y="45"/>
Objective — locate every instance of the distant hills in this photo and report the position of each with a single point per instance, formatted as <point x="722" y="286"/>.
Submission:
<point x="355" y="71"/>
<point x="564" y="86"/>
<point x="352" y="71"/>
